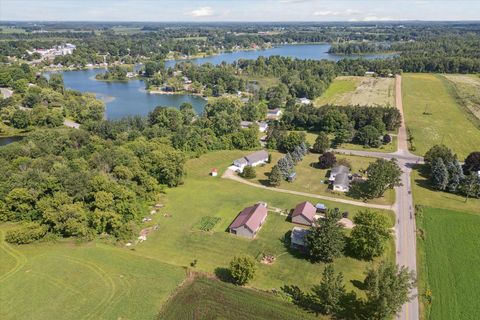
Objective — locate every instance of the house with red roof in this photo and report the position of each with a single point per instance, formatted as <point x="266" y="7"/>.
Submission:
<point x="249" y="221"/>
<point x="304" y="213"/>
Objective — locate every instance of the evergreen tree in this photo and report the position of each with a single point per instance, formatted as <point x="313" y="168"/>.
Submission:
<point x="285" y="165"/>
<point x="329" y="293"/>
<point x="322" y="143"/>
<point x="275" y="178"/>
<point x="455" y="174"/>
<point x="439" y="174"/>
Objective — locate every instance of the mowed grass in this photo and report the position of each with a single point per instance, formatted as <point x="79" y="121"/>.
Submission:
<point x="309" y="177"/>
<point x="364" y="91"/>
<point x="467" y="90"/>
<point x="91" y="281"/>
<point x="176" y="242"/>
<point x="205" y="298"/>
<point x="450" y="264"/>
<point x="445" y="122"/>
<point x="425" y="195"/>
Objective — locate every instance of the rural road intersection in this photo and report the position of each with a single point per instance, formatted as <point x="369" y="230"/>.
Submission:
<point x="405" y="229"/>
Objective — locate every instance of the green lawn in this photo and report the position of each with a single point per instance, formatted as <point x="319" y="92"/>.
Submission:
<point x="339" y="87"/>
<point x="309" y="177"/>
<point x="425" y="195"/>
<point x="449" y="264"/>
<point x="68" y="281"/>
<point x="205" y="298"/>
<point x="445" y="122"/>
<point x="179" y="242"/>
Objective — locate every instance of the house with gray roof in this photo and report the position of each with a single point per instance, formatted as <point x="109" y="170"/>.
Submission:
<point x="337" y="170"/>
<point x="297" y="238"/>
<point x="249" y="221"/>
<point x="341" y="183"/>
<point x="253" y="159"/>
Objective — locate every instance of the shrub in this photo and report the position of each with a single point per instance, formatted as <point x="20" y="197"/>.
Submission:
<point x="248" y="172"/>
<point x="242" y="269"/>
<point x="26" y="234"/>
<point x="326" y="160"/>
<point x="387" y="139"/>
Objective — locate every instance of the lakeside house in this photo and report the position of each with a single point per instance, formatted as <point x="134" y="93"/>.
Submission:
<point x="304" y="213"/>
<point x="304" y="101"/>
<point x="253" y="159"/>
<point x="249" y="221"/>
<point x="262" y="125"/>
<point x="274" y="114"/>
<point x="297" y="238"/>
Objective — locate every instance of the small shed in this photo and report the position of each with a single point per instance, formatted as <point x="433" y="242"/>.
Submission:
<point x="214" y="172"/>
<point x="321" y="207"/>
<point x="297" y="238"/>
<point x="292" y="176"/>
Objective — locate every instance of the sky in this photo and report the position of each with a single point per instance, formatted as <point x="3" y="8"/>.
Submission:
<point x="238" y="10"/>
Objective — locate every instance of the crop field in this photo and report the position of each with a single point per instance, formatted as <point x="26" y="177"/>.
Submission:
<point x="467" y="88"/>
<point x="434" y="116"/>
<point x="205" y="298"/>
<point x="207" y="223"/>
<point x="449" y="264"/>
<point x="91" y="281"/>
<point x="365" y="91"/>
<point x="309" y="178"/>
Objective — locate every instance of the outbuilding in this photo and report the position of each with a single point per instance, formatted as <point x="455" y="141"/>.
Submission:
<point x="297" y="238"/>
<point x="304" y="213"/>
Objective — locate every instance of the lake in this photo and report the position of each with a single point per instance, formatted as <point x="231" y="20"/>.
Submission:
<point x="7" y="140"/>
<point x="130" y="98"/>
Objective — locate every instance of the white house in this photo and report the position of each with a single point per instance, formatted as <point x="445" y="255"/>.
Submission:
<point x="262" y="126"/>
<point x="274" y="114"/>
<point x="304" y="101"/>
<point x="337" y="170"/>
<point x="341" y="183"/>
<point x="253" y="159"/>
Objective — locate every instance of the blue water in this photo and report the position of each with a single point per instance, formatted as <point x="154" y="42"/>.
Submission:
<point x="300" y="51"/>
<point x="7" y="140"/>
<point x="130" y="98"/>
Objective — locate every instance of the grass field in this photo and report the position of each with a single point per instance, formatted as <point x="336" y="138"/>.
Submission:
<point x="178" y="243"/>
<point x="101" y="281"/>
<point x="365" y="91"/>
<point x="467" y="89"/>
<point x="309" y="177"/>
<point x="425" y="195"/>
<point x="206" y="298"/>
<point x="448" y="264"/>
<point x="265" y="82"/>
<point x="445" y="122"/>
<point x="90" y="281"/>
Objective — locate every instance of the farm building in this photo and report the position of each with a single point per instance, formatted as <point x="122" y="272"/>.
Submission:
<point x="341" y="183"/>
<point x="253" y="159"/>
<point x="249" y="221"/>
<point x="214" y="172"/>
<point x="304" y="213"/>
<point x="297" y="238"/>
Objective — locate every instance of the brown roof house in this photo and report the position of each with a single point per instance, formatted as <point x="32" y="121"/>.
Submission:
<point x="249" y="221"/>
<point x="304" y="213"/>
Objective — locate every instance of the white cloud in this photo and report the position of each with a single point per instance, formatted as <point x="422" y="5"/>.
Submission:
<point x="324" y="13"/>
<point x="201" y="12"/>
<point x="375" y="18"/>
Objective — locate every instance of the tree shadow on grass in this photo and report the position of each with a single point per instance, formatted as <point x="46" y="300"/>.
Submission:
<point x="223" y="274"/>
<point x="265" y="182"/>
<point x="297" y="253"/>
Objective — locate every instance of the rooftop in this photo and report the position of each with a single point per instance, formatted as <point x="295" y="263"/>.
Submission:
<point x="305" y="209"/>
<point x="250" y="217"/>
